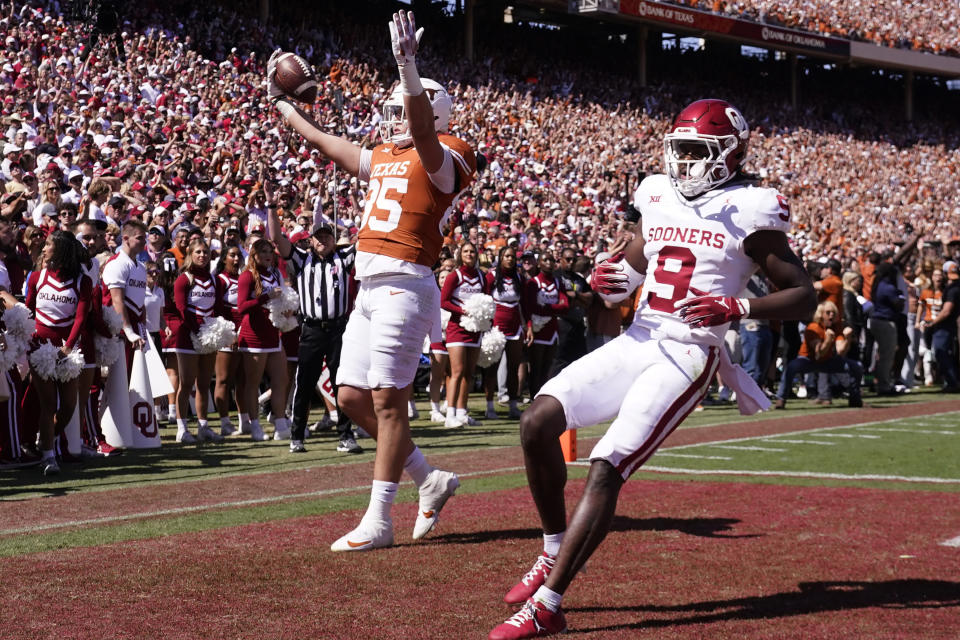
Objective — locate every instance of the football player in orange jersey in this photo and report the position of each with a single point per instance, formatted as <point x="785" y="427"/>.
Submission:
<point x="414" y="177"/>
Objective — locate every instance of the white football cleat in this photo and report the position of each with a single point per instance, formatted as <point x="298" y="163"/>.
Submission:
<point x="436" y="416"/>
<point x="206" y="434"/>
<point x="367" y="536"/>
<point x="436" y="490"/>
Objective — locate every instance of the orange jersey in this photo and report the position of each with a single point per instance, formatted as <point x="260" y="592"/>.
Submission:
<point x="404" y="210"/>
<point x="932" y="302"/>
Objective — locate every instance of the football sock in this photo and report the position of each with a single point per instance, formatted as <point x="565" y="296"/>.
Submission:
<point x="551" y="543"/>
<point x="382" y="494"/>
<point x="48" y="454"/>
<point x="490" y="405"/>
<point x="225" y="421"/>
<point x="172" y="410"/>
<point x="181" y="425"/>
<point x="335" y="416"/>
<point x="550" y="599"/>
<point x="434" y="406"/>
<point x="417" y="466"/>
<point x="202" y="424"/>
<point x="451" y="412"/>
<point x="461" y="412"/>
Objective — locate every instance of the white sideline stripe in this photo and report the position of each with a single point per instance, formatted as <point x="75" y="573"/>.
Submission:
<point x="739" y="448"/>
<point x="800" y="474"/>
<point x="690" y="455"/>
<point x="826" y="444"/>
<point x="952" y="542"/>
<point x="848" y="435"/>
<point x="923" y="431"/>
<point x="221" y="505"/>
<point x="799" y="432"/>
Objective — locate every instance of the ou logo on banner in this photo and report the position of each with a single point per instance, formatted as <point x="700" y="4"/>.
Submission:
<point x="143" y="419"/>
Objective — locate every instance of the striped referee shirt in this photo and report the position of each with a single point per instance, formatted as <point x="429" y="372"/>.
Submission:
<point x="323" y="284"/>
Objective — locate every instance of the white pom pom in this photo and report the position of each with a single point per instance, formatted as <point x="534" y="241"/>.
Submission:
<point x="108" y="350"/>
<point x="113" y="320"/>
<point x="14" y="351"/>
<point x="283" y="309"/>
<point x="43" y="361"/>
<point x="478" y="313"/>
<point x="215" y="334"/>
<point x="491" y="347"/>
<point x="444" y="319"/>
<point x="19" y="321"/>
<point x="70" y="366"/>
<point x="538" y="322"/>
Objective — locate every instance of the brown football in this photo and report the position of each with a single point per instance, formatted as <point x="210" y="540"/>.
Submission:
<point x="295" y="77"/>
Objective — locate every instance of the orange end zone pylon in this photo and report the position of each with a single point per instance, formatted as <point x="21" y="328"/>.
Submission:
<point x="568" y="442"/>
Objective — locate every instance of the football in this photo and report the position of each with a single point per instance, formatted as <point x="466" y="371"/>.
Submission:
<point x="295" y="77"/>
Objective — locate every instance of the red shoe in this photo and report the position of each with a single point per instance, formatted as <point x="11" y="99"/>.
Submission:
<point x="534" y="620"/>
<point x="106" y="450"/>
<point x="528" y="585"/>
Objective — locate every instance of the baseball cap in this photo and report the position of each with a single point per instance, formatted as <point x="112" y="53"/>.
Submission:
<point x="323" y="227"/>
<point x="951" y="269"/>
<point x="158" y="230"/>
<point x="298" y="236"/>
<point x="48" y="209"/>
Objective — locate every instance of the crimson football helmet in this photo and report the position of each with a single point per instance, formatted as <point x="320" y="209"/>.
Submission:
<point x="394" y="127"/>
<point x="705" y="146"/>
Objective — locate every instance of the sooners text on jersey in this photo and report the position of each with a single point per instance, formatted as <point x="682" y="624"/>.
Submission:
<point x="695" y="247"/>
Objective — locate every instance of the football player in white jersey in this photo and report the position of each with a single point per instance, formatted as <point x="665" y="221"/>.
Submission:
<point x="705" y="229"/>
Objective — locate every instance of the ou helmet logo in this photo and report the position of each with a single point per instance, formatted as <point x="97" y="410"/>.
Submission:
<point x="738" y="121"/>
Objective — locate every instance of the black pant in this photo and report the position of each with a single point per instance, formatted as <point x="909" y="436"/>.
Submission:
<point x="571" y="344"/>
<point x="316" y="343"/>
<point x="111" y="34"/>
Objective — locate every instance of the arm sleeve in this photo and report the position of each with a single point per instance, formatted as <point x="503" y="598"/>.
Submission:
<point x="181" y="288"/>
<point x="444" y="178"/>
<point x="84" y="292"/>
<point x="219" y="306"/>
<point x="32" y="282"/>
<point x="246" y="304"/>
<point x="363" y="172"/>
<point x="446" y="293"/>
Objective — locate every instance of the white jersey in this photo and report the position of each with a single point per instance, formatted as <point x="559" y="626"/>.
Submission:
<point x="695" y="247"/>
<point x="122" y="272"/>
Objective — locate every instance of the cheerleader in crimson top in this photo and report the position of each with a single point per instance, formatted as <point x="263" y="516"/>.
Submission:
<point x="227" y="368"/>
<point x="59" y="296"/>
<point x="463" y="346"/>
<point x="439" y="356"/>
<point x="506" y="286"/>
<point x="195" y="296"/>
<point x="544" y="299"/>
<point x="259" y="340"/>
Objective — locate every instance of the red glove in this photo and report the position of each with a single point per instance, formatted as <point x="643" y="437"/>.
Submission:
<point x="614" y="279"/>
<point x="710" y="311"/>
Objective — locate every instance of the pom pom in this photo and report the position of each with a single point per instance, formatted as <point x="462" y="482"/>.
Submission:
<point x="538" y="322"/>
<point x="283" y="309"/>
<point x="14" y="351"/>
<point x="108" y="350"/>
<point x="215" y="334"/>
<point x="113" y="320"/>
<point x="19" y="322"/>
<point x="43" y="361"/>
<point x="491" y="347"/>
<point x="478" y="313"/>
<point x="48" y="362"/>
<point x="70" y="366"/>
<point x="444" y="319"/>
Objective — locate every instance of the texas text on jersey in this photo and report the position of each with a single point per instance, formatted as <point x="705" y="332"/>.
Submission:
<point x="695" y="247"/>
<point x="404" y="211"/>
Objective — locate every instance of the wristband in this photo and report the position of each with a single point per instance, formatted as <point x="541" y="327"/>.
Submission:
<point x="410" y="84"/>
<point x="131" y="335"/>
<point x="745" y="306"/>
<point x="285" y="108"/>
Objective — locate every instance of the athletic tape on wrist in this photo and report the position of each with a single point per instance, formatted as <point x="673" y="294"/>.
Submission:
<point x="745" y="305"/>
<point x="285" y="108"/>
<point x="410" y="83"/>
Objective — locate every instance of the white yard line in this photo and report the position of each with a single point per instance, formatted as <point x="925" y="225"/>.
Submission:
<point x="742" y="448"/>
<point x="848" y="435"/>
<point x="923" y="431"/>
<point x="800" y="474"/>
<point x="689" y="455"/>
<point x="776" y="440"/>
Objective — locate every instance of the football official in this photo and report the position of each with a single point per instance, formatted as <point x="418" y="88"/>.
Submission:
<point x="321" y="278"/>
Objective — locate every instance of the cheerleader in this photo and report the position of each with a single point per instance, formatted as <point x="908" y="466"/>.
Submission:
<point x="194" y="294"/>
<point x="227" y="368"/>
<point x="168" y="335"/>
<point x="463" y="346"/>
<point x="544" y="299"/>
<point x="259" y="340"/>
<point x="439" y="356"/>
<point x="506" y="286"/>
<point x="59" y="296"/>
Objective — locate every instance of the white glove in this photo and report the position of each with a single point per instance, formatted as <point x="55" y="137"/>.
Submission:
<point x="404" y="39"/>
<point x="273" y="91"/>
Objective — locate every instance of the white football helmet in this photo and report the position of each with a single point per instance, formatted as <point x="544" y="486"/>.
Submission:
<point x="394" y="127"/>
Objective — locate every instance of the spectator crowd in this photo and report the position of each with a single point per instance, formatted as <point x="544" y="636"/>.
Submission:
<point x="177" y="134"/>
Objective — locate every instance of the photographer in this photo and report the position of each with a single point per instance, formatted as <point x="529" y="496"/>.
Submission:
<point x="105" y="16"/>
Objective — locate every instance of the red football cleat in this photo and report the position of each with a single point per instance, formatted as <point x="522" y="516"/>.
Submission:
<point x="532" y="581"/>
<point x="534" y="620"/>
<point x="106" y="450"/>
